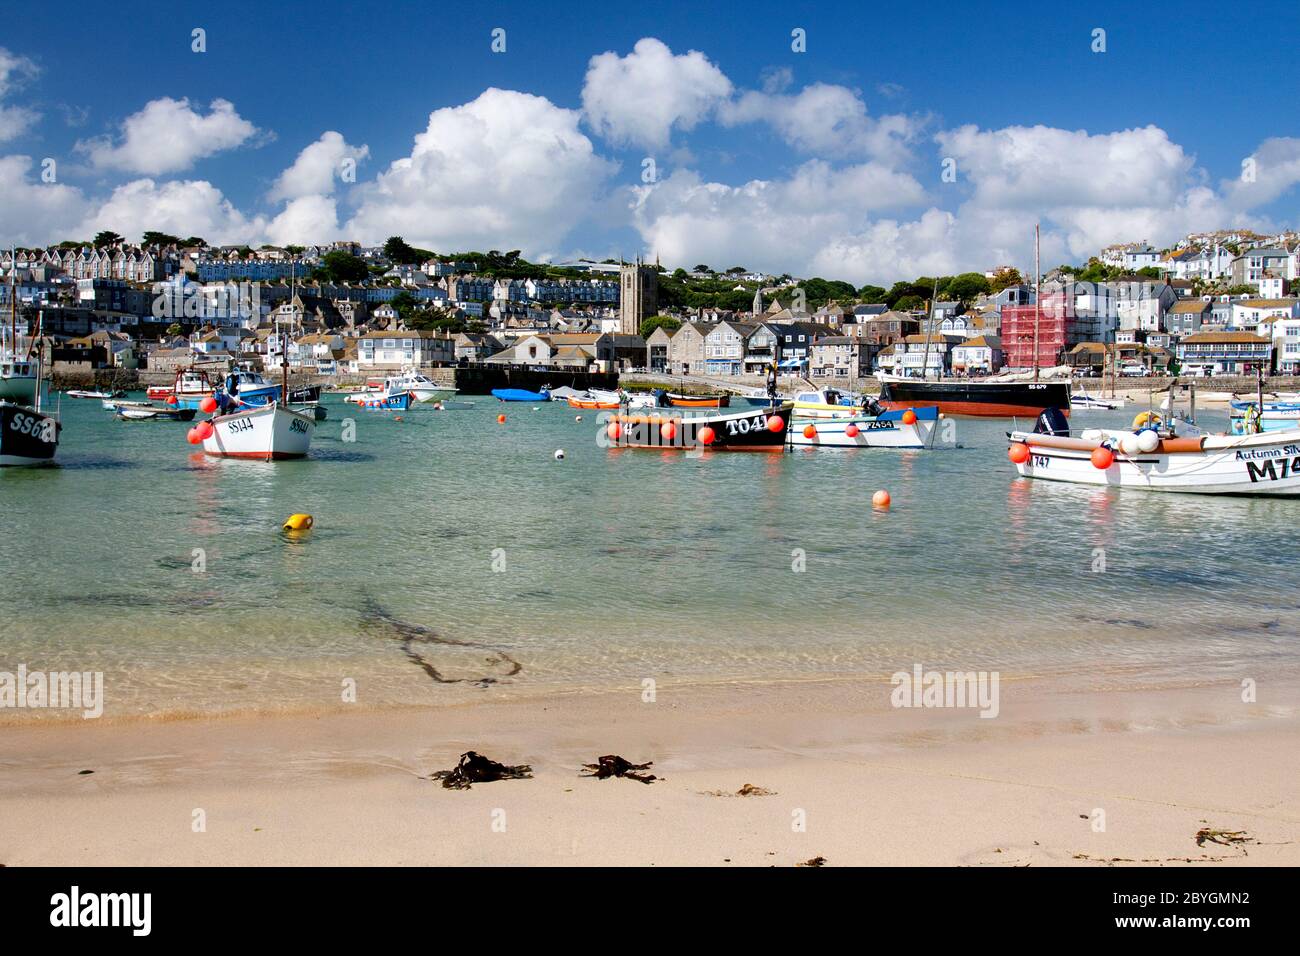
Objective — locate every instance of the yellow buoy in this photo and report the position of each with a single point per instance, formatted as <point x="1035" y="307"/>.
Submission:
<point x="298" y="523"/>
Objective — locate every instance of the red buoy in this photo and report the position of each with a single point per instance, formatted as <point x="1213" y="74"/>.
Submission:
<point x="810" y="431"/>
<point x="1018" y="452"/>
<point x="1102" y="458"/>
<point x="171" y="399"/>
<point x="614" y="430"/>
<point x="668" y="430"/>
<point x="775" y="423"/>
<point x="706" y="435"/>
<point x="909" y="417"/>
<point x="204" y="430"/>
<point x="881" y="499"/>
<point x="208" y="405"/>
<point x="192" y="436"/>
<point x="852" y="431"/>
<point x="501" y="419"/>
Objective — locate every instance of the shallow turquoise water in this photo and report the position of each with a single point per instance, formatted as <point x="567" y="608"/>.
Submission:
<point x="608" y="567"/>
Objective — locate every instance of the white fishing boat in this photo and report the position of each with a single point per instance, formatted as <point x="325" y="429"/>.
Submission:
<point x="889" y="429"/>
<point x="19" y="377"/>
<point x="1081" y="399"/>
<point x="421" y="387"/>
<point x="263" y="432"/>
<point x="823" y="403"/>
<point x="1159" y="456"/>
<point x="85" y="393"/>
<point x="148" y="411"/>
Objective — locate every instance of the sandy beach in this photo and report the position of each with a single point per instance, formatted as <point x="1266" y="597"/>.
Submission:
<point x="1097" y="778"/>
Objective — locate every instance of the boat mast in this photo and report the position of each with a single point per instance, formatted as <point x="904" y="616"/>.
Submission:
<point x="284" y="337"/>
<point x="1037" y="299"/>
<point x="929" y="331"/>
<point x="13" y="306"/>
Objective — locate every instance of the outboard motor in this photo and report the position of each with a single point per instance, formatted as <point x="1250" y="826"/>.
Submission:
<point x="1052" y="422"/>
<point x="872" y="407"/>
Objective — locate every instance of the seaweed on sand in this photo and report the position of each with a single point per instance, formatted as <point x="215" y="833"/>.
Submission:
<point x="1222" y="837"/>
<point x="474" y="768"/>
<point x="612" y="765"/>
<point x="409" y="635"/>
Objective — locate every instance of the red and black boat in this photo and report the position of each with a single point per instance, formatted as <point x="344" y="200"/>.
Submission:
<point x="988" y="398"/>
<point x="755" y="429"/>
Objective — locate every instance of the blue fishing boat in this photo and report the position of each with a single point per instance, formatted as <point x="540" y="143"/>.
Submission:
<point x="521" y="395"/>
<point x="392" y="401"/>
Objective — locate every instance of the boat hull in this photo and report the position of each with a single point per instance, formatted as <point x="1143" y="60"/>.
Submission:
<point x="27" y="437"/>
<point x="126" y="411"/>
<point x="19" y="389"/>
<point x="1262" y="465"/>
<point x="736" y="431"/>
<point x="265" y="433"/>
<point x="978" y="399"/>
<point x="882" y="431"/>
<point x="1276" y="417"/>
<point x="697" y="401"/>
<point x="520" y="395"/>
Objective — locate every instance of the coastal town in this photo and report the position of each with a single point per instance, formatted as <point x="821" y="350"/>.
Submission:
<point x="113" y="310"/>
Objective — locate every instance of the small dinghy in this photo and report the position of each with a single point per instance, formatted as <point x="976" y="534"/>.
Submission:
<point x="391" y="401"/>
<point x="148" y="411"/>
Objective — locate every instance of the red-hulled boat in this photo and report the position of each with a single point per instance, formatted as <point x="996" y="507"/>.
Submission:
<point x="989" y="398"/>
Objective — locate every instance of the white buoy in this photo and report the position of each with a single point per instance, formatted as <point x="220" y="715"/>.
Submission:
<point x="1148" y="441"/>
<point x="1128" y="443"/>
<point x="559" y="454"/>
<point x="577" y="418"/>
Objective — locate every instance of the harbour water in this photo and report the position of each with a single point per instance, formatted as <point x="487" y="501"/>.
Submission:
<point x="453" y="557"/>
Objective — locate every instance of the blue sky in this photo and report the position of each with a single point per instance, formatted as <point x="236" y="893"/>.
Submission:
<point x="1145" y="140"/>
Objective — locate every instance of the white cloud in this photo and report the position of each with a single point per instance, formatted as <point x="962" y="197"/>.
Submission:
<point x="779" y="225"/>
<point x="506" y="170"/>
<point x="15" y="70"/>
<point x="304" y="221"/>
<point x="317" y="167"/>
<point x="32" y="212"/>
<point x="181" y="207"/>
<point x="641" y="98"/>
<point x="1270" y="173"/>
<point x="167" y="136"/>
<point x="824" y="120"/>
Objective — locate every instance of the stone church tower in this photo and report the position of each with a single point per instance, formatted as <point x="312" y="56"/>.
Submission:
<point x="638" y="296"/>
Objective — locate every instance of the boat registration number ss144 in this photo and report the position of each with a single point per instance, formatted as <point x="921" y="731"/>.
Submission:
<point x="240" y="425"/>
<point x="297" y="425"/>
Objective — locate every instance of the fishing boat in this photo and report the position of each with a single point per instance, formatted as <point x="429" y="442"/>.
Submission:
<point x="268" y="432"/>
<point x="148" y="411"/>
<point x="28" y="435"/>
<point x="1160" y="455"/>
<point x="897" y="429"/>
<point x="997" y="397"/>
<point x="594" y="399"/>
<point x="822" y="403"/>
<point x="19" y="377"/>
<point x="392" y="401"/>
<point x="751" y="430"/>
<point x="421" y="387"/>
<point x="521" y="395"/>
<point x="85" y="393"/>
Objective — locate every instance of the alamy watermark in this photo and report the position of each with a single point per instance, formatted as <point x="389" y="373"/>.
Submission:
<point x="40" y="690"/>
<point x="922" y="688"/>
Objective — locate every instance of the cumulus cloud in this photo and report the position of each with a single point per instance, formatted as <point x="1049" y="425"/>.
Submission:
<point x="15" y="70"/>
<point x="506" y="170"/>
<point x="167" y="136"/>
<point x="32" y="212"/>
<point x="318" y="167"/>
<point x="305" y="220"/>
<point x="639" y="99"/>
<point x="824" y="119"/>
<point x="779" y="225"/>
<point x="1266" y="175"/>
<point x="181" y="207"/>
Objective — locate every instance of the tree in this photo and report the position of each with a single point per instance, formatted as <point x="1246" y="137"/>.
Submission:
<point x="701" y="267"/>
<point x="1240" y="289"/>
<point x="666" y="322"/>
<point x="872" y="293"/>
<point x="908" y="302"/>
<point x="152" y="238"/>
<point x="1004" y="278"/>
<point x="397" y="250"/>
<point x="342" y="266"/>
<point x="967" y="287"/>
<point x="737" y="271"/>
<point x="106" y="238"/>
<point x="680" y="275"/>
<point x="194" y="241"/>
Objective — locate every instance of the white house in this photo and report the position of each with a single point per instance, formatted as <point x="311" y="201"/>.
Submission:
<point x="1249" y="313"/>
<point x="398" y="349"/>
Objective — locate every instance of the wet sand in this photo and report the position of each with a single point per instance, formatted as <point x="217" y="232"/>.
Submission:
<point x="1058" y="778"/>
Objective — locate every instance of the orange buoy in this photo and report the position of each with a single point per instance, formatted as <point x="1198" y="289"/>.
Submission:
<point x="171" y="399"/>
<point x="775" y="423"/>
<point x="1102" y="458"/>
<point x="706" y="435"/>
<point x="909" y="417"/>
<point x="208" y="405"/>
<point x="810" y="431"/>
<point x="614" y="430"/>
<point x="881" y="499"/>
<point x="668" y="430"/>
<point x="192" y="436"/>
<point x="501" y="419"/>
<point x="1018" y="452"/>
<point x="204" y="430"/>
<point x="852" y="431"/>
